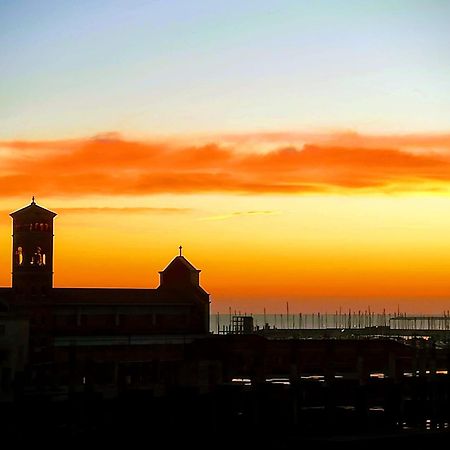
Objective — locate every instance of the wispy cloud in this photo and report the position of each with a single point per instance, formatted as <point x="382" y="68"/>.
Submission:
<point x="110" y="210"/>
<point x="128" y="210"/>
<point x="279" y="163"/>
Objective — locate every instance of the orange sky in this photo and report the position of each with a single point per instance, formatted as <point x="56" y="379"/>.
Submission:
<point x="319" y="220"/>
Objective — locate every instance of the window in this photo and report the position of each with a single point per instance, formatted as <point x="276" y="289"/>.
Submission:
<point x="19" y="256"/>
<point x="38" y="258"/>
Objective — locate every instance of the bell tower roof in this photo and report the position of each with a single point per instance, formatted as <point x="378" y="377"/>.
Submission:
<point x="33" y="210"/>
<point x="183" y="263"/>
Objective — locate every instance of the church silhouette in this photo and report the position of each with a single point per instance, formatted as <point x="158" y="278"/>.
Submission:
<point x="46" y="326"/>
<point x="179" y="305"/>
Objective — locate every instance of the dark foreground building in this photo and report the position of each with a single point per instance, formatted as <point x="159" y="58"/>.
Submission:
<point x="40" y="322"/>
<point x="109" y="366"/>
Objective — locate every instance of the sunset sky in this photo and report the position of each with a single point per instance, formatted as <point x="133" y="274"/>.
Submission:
<point x="299" y="151"/>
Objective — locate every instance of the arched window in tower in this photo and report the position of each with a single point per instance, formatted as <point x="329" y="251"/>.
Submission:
<point x="41" y="226"/>
<point x="37" y="258"/>
<point x="19" y="256"/>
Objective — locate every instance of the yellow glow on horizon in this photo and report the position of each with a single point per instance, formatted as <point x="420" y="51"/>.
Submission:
<point x="315" y="252"/>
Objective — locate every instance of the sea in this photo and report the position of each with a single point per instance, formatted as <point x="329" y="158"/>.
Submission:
<point x="222" y="322"/>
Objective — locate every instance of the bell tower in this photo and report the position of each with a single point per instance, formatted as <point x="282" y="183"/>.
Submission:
<point x="32" y="252"/>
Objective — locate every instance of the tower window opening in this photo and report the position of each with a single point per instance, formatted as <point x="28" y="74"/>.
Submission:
<point x="43" y="259"/>
<point x="41" y="226"/>
<point x="37" y="259"/>
<point x="19" y="256"/>
<point x="36" y="226"/>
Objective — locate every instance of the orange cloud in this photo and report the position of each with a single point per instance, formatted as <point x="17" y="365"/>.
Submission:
<point x="111" y="165"/>
<point x="344" y="139"/>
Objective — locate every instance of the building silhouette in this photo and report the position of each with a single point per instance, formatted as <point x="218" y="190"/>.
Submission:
<point x="54" y="321"/>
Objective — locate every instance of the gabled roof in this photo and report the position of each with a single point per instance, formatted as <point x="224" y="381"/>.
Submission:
<point x="183" y="261"/>
<point x="33" y="209"/>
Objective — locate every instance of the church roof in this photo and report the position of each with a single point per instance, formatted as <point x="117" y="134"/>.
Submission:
<point x="33" y="209"/>
<point x="181" y="260"/>
<point x="112" y="296"/>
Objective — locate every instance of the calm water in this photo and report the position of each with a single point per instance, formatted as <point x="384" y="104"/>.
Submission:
<point x="337" y="320"/>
